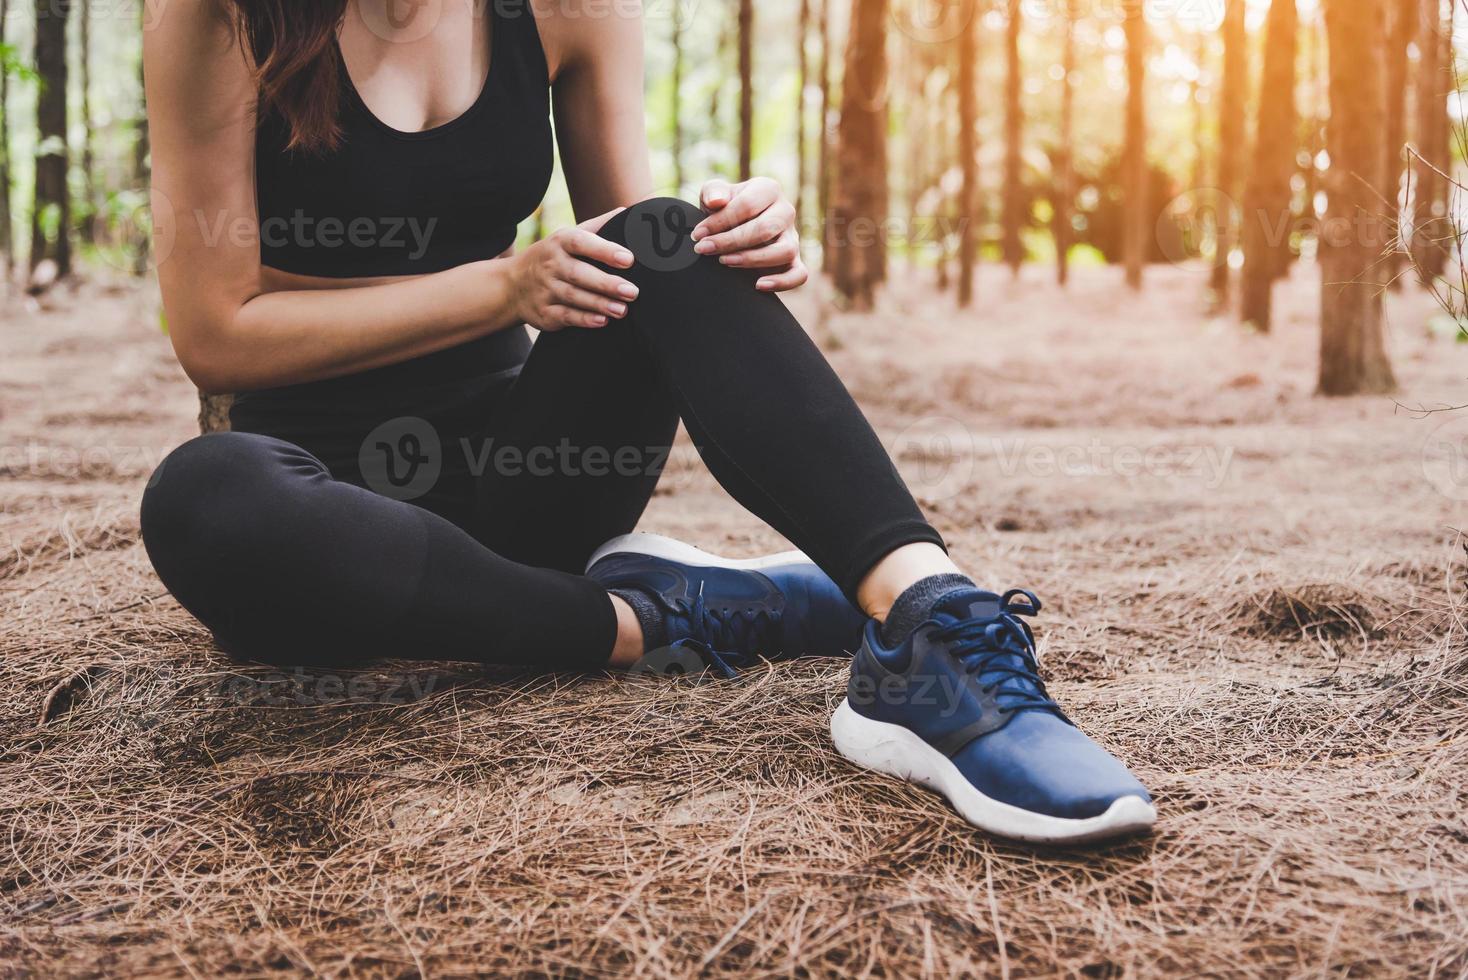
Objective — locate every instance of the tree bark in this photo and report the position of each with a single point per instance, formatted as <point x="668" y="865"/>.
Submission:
<point x="1134" y="158"/>
<point x="1431" y="232"/>
<point x="1352" y="350"/>
<point x="1064" y="156"/>
<point x="746" y="88"/>
<point x="1402" y="20"/>
<point x="675" y="98"/>
<point x="52" y="211"/>
<point x="142" y="176"/>
<point x="968" y="151"/>
<point x="859" y="210"/>
<point x="7" y="219"/>
<point x="823" y="156"/>
<point x="803" y="74"/>
<point x="1013" y="216"/>
<point x="1231" y="139"/>
<point x="1266" y="214"/>
<point x="89" y="136"/>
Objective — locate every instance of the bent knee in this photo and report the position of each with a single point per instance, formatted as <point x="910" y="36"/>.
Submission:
<point x="658" y="231"/>
<point x="208" y="486"/>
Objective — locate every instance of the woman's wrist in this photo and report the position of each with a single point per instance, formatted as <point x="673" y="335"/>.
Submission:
<point x="493" y="282"/>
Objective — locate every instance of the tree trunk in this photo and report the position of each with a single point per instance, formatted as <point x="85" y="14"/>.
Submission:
<point x="1199" y="178"/>
<point x="142" y="176"/>
<point x="823" y="157"/>
<point x="7" y="221"/>
<point x="1013" y="245"/>
<point x="968" y="151"/>
<point x="1064" y="156"/>
<point x="1402" y="20"/>
<point x="1134" y="158"/>
<point x="1231" y="139"/>
<point x="1266" y="214"/>
<point x="803" y="72"/>
<point x="675" y="98"/>
<point x="1431" y="232"/>
<point x="746" y="88"/>
<point x="51" y="216"/>
<point x="1352" y="351"/>
<point x="89" y="136"/>
<point x="859" y="210"/>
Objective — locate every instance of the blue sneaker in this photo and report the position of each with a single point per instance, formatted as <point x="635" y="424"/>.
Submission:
<point x="959" y="707"/>
<point x="725" y="613"/>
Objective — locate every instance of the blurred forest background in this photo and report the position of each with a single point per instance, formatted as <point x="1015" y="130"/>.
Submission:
<point x="1239" y="136"/>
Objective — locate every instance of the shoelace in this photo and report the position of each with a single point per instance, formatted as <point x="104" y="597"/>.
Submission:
<point x="730" y="633"/>
<point x="989" y="646"/>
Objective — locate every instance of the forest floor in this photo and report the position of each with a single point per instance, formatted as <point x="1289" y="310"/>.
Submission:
<point x="1253" y="595"/>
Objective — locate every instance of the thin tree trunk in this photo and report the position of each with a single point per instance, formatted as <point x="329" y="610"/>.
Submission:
<point x="1266" y="215"/>
<point x="968" y="193"/>
<point x="1134" y="166"/>
<point x="804" y="81"/>
<point x="746" y="88"/>
<point x="143" y="251"/>
<point x="823" y="159"/>
<point x="89" y="136"/>
<point x="1430" y="232"/>
<point x="1064" y="157"/>
<point x="675" y="98"/>
<point x="1352" y="351"/>
<point x="1231" y="139"/>
<point x="1195" y="90"/>
<point x="1013" y="246"/>
<point x="860" y="201"/>
<point x="7" y="225"/>
<point x="1402" y="20"/>
<point x="52" y="201"/>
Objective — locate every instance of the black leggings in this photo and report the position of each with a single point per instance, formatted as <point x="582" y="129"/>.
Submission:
<point x="291" y="561"/>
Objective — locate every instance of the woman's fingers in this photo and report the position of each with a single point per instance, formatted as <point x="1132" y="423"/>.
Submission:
<point x="779" y="254"/>
<point x="775" y="282"/>
<point x="762" y="229"/>
<point x="589" y="245"/>
<point x="594" y="280"/>
<point x="744" y="202"/>
<point x="568" y="317"/>
<point x="576" y="297"/>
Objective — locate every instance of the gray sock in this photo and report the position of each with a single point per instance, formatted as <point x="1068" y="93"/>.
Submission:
<point x="649" y="616"/>
<point x="915" y="605"/>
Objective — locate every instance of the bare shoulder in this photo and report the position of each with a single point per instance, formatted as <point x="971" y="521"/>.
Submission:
<point x="578" y="34"/>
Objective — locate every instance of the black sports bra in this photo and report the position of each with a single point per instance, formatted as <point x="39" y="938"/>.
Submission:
<point x="392" y="203"/>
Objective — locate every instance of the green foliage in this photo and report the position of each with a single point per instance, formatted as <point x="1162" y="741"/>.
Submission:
<point x="12" y="65"/>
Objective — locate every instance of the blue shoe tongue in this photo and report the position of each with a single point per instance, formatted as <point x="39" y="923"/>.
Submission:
<point x="967" y="604"/>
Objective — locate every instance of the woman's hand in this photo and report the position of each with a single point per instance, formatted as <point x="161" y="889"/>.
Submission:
<point x="555" y="287"/>
<point x="752" y="227"/>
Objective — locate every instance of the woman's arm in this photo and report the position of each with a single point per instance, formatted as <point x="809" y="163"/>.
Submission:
<point x="231" y="335"/>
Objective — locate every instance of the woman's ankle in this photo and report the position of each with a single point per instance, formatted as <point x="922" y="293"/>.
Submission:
<point x="898" y="572"/>
<point x="630" y="645"/>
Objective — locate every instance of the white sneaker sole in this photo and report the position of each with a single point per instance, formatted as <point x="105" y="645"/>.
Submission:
<point x="896" y="751"/>
<point x="679" y="551"/>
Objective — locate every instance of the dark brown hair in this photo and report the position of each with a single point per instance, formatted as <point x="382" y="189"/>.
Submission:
<point x="295" y="68"/>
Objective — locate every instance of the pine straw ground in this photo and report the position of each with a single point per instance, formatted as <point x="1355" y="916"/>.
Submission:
<point x="1276" y="645"/>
